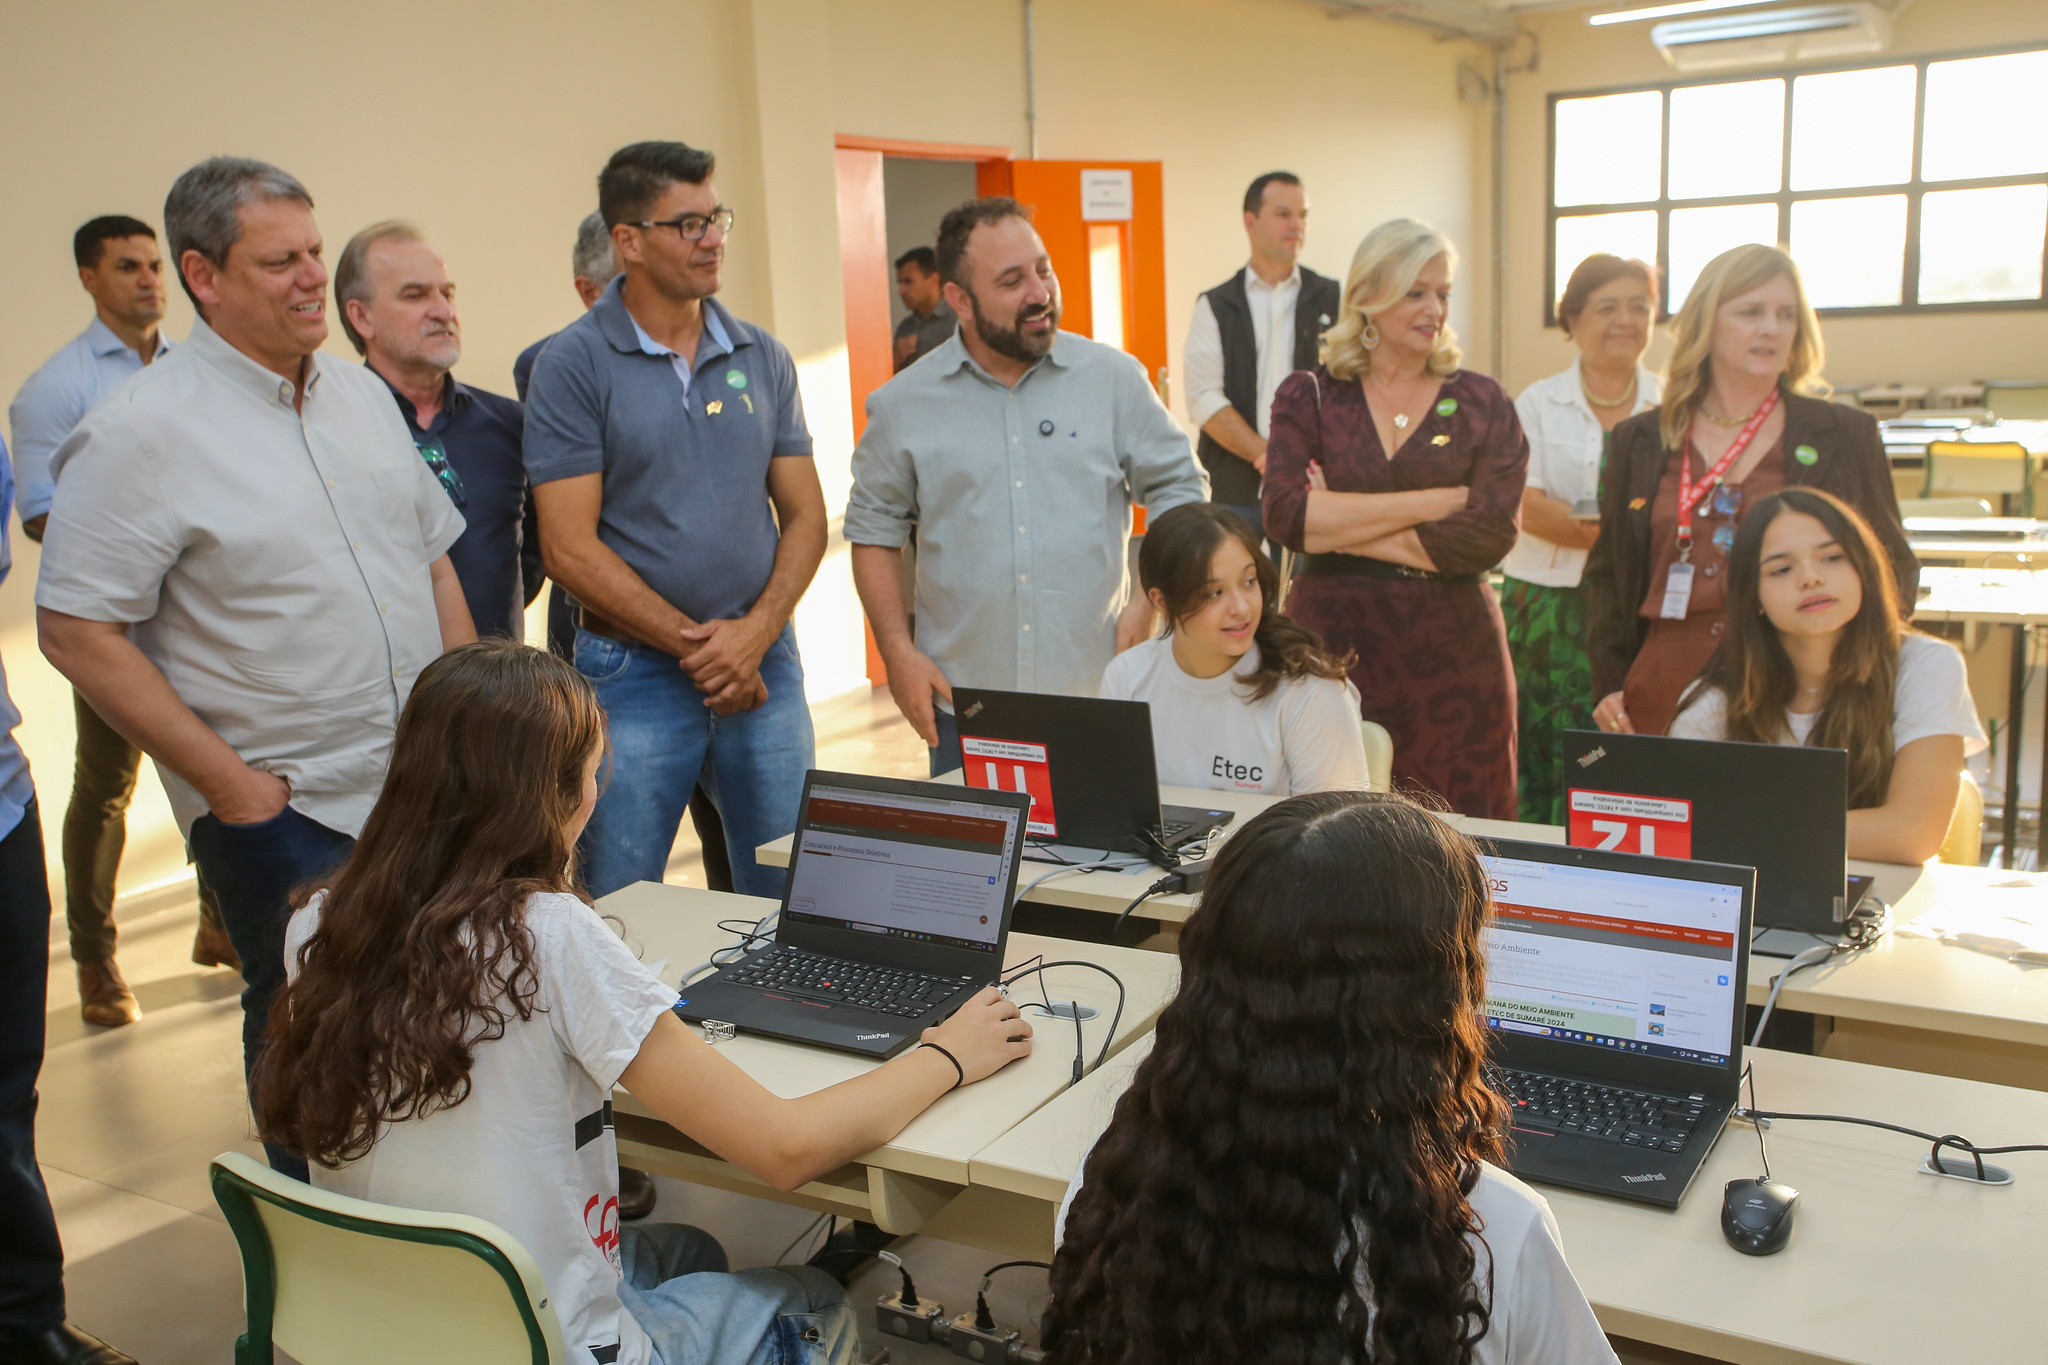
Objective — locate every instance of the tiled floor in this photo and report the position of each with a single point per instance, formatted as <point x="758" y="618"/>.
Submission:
<point x="130" y="1117"/>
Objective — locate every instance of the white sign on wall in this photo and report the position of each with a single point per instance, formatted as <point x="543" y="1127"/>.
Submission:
<point x="1106" y="196"/>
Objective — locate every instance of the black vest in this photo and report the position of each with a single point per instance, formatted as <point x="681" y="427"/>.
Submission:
<point x="1231" y="479"/>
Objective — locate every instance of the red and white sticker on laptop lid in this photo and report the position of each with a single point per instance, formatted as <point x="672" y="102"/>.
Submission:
<point x="1005" y="765"/>
<point x="1656" y="825"/>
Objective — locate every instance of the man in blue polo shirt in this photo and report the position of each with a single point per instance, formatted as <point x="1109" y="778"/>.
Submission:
<point x="666" y="444"/>
<point x="398" y="309"/>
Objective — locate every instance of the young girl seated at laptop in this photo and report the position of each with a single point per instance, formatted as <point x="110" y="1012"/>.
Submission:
<point x="457" y="1013"/>
<point x="1817" y="653"/>
<point x="1243" y="699"/>
<point x="1302" y="1169"/>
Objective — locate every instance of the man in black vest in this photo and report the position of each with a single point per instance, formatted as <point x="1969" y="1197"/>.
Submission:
<point x="1248" y="334"/>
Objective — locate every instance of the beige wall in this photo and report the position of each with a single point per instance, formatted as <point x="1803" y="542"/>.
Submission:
<point x="1937" y="349"/>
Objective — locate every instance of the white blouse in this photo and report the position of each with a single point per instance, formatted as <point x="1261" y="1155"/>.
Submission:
<point x="1564" y="461"/>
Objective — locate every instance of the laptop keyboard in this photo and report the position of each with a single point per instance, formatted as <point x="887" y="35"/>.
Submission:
<point x="1634" y="1118"/>
<point x="863" y="985"/>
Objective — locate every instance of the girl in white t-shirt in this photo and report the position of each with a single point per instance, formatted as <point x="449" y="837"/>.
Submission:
<point x="457" y="1013"/>
<point x="1243" y="699"/>
<point x="1817" y="653"/>
<point x="1302" y="1169"/>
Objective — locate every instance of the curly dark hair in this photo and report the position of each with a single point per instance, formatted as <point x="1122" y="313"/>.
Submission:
<point x="1286" y="1179"/>
<point x="423" y="950"/>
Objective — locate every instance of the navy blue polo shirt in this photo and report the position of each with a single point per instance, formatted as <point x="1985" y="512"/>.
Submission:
<point x="522" y="368"/>
<point x="685" y="469"/>
<point x="479" y="434"/>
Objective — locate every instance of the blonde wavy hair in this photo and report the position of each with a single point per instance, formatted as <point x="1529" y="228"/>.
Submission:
<point x="1382" y="270"/>
<point x="1689" y="372"/>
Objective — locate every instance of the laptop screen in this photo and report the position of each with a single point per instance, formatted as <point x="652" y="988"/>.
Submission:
<point x="1618" y="961"/>
<point x="929" y="869"/>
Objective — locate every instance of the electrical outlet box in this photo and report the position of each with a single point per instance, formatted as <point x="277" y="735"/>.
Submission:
<point x="974" y="1343"/>
<point x="908" y="1324"/>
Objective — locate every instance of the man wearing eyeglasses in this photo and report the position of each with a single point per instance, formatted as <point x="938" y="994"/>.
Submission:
<point x="398" y="309"/>
<point x="679" y="504"/>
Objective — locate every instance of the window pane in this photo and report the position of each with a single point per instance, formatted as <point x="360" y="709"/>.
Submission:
<point x="1853" y="128"/>
<point x="1699" y="235"/>
<point x="1851" y="252"/>
<point x="1727" y="139"/>
<point x="1977" y="245"/>
<point x="1609" y="148"/>
<point x="1984" y="117"/>
<point x="1631" y="236"/>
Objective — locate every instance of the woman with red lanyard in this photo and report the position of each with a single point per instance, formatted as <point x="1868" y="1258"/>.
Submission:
<point x="1738" y="404"/>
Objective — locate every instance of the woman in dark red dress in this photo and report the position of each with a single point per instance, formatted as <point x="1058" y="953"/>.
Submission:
<point x="1399" y="476"/>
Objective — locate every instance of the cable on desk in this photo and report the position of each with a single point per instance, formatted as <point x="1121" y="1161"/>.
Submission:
<point x="721" y="956"/>
<point x="1115" y="1019"/>
<point x="1189" y="876"/>
<point x="1950" y="1140"/>
<point x="1864" y="928"/>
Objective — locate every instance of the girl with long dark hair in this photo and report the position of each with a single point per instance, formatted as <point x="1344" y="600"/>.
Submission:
<point x="1817" y="653"/>
<point x="457" y="1013"/>
<point x="1302" y="1169"/>
<point x="1242" y="697"/>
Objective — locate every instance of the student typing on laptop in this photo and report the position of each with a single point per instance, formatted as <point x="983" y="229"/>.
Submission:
<point x="458" y="1012"/>
<point x="1242" y="698"/>
<point x="1817" y="653"/>
<point x="1303" y="1168"/>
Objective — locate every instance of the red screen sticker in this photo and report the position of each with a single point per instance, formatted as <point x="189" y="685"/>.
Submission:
<point x="1657" y="825"/>
<point x="1005" y="765"/>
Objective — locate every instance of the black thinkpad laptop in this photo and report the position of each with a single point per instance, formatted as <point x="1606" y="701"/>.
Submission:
<point x="1781" y="809"/>
<point x="895" y="913"/>
<point x="1614" y="998"/>
<point x="1088" y="764"/>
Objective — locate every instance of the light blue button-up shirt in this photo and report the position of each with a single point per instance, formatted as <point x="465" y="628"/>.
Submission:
<point x="1021" y="499"/>
<point x="713" y="343"/>
<point x="17" y="788"/>
<point x="55" y="397"/>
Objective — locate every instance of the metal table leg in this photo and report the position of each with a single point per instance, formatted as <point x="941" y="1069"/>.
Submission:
<point x="2015" y="715"/>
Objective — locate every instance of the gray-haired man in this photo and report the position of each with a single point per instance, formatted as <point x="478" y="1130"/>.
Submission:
<point x="246" y="565"/>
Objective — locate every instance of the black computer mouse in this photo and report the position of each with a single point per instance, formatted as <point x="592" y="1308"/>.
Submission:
<point x="1756" y="1215"/>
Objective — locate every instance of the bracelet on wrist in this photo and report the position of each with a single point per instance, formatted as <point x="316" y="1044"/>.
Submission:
<point x="959" y="1073"/>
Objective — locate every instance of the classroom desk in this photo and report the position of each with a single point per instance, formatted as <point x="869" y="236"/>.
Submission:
<point x="1886" y="1266"/>
<point x="908" y="1184"/>
<point x="1108" y="892"/>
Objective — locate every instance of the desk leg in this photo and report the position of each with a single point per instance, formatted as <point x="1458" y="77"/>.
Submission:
<point x="2015" y="729"/>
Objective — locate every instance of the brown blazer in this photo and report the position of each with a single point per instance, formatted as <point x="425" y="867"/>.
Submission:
<point x="1851" y="465"/>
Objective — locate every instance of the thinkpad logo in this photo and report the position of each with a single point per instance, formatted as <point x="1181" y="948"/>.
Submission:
<point x="1639" y="1179"/>
<point x="1591" y="756"/>
<point x="871" y="1037"/>
<point x="971" y="712"/>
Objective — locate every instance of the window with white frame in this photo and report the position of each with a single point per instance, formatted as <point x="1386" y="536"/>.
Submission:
<point x="1902" y="186"/>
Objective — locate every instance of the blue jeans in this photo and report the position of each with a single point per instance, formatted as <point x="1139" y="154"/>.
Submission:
<point x="946" y="757"/>
<point x="666" y="741"/>
<point x="253" y="870"/>
<point x="31" y="1258"/>
<point x="678" y="1289"/>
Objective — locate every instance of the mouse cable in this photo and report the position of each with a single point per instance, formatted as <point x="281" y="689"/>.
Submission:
<point x="1188" y="876"/>
<point x="1749" y="1079"/>
<point x="1864" y="928"/>
<point x="1115" y="1019"/>
<point x="1118" y="865"/>
<point x="747" y="939"/>
<point x="1960" y="1144"/>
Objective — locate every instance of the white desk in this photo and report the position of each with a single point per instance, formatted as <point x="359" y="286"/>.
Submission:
<point x="1885" y="1267"/>
<point x="907" y="1184"/>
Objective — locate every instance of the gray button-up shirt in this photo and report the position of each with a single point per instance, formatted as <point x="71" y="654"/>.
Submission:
<point x="276" y="566"/>
<point x="1021" y="499"/>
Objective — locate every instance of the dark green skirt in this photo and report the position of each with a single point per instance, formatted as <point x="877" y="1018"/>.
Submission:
<point x="1553" y="687"/>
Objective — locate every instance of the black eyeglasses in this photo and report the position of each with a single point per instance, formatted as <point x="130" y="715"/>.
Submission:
<point x="691" y="227"/>
<point x="436" y="455"/>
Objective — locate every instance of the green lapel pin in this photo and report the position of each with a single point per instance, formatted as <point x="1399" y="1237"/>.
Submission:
<point x="1806" y="455"/>
<point x="1446" y="407"/>
<point x="736" y="379"/>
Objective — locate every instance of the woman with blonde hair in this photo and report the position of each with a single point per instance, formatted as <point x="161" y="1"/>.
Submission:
<point x="1397" y="475"/>
<point x="1740" y="406"/>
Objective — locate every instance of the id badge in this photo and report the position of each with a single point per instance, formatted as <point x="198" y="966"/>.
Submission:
<point x="1677" y="592"/>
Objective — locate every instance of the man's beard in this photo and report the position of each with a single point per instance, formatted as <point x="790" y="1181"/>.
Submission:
<point x="1012" y="341"/>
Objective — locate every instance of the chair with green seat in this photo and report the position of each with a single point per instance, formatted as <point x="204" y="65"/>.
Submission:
<point x="2001" y="467"/>
<point x="338" y="1281"/>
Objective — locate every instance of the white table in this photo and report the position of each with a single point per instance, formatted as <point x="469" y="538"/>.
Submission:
<point x="1885" y="1267"/>
<point x="908" y="1184"/>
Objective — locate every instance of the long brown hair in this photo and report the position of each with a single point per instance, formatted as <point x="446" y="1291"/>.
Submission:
<point x="1690" y="372"/>
<point x="1174" y="558"/>
<point x="1755" y="674"/>
<point x="1287" y="1177"/>
<point x="423" y="950"/>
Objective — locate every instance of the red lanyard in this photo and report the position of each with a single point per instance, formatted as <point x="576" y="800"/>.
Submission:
<point x="1687" y="502"/>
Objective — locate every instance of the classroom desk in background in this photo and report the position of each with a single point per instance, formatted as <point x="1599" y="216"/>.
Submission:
<point x="1886" y="1266"/>
<point x="913" y="1182"/>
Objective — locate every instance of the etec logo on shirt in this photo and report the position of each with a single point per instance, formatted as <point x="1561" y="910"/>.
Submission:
<point x="1244" y="776"/>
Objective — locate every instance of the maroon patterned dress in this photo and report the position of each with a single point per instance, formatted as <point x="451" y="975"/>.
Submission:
<point x="1432" y="651"/>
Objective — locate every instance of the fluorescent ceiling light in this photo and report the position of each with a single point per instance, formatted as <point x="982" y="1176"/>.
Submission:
<point x="1672" y="11"/>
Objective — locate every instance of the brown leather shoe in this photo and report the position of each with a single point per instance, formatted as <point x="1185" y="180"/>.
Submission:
<point x="211" y="947"/>
<point x="636" y="1193"/>
<point x="103" y="997"/>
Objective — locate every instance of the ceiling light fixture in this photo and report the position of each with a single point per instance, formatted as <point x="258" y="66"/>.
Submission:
<point x="1671" y="11"/>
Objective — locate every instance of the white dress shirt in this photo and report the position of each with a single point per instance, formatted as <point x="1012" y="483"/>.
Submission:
<point x="1564" y="461"/>
<point x="275" y="565"/>
<point x="1272" y="309"/>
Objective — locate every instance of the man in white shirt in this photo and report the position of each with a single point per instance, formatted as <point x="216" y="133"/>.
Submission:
<point x="246" y="565"/>
<point x="1249" y="333"/>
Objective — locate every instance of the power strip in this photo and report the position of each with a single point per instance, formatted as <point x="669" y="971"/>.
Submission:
<point x="923" y="1320"/>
